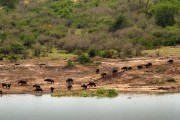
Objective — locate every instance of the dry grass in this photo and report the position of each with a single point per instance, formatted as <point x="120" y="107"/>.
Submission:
<point x="163" y="51"/>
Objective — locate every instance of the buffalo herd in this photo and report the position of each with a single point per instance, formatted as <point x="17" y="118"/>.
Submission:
<point x="70" y="81"/>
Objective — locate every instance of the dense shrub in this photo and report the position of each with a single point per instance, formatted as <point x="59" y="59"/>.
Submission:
<point x="84" y="59"/>
<point x="28" y="40"/>
<point x="16" y="48"/>
<point x="69" y="63"/>
<point x="12" y="57"/>
<point x="165" y="13"/>
<point x="93" y="52"/>
<point x="37" y="50"/>
<point x="1" y="57"/>
<point x="61" y="9"/>
<point x="109" y="53"/>
<point x="9" y="3"/>
<point x="106" y="92"/>
<point x="78" y="52"/>
<point x="120" y="23"/>
<point x="171" y="80"/>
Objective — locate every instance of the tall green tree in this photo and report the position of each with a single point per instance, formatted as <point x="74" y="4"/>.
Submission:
<point x="8" y="3"/>
<point x="165" y="13"/>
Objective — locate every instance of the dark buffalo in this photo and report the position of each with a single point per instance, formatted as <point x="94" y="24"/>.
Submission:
<point x="170" y="61"/>
<point x="97" y="71"/>
<point x="22" y="82"/>
<point x="52" y="89"/>
<point x="69" y="86"/>
<point x="42" y="65"/>
<point x="148" y="65"/>
<point x="103" y="75"/>
<point x="91" y="84"/>
<point x="69" y="81"/>
<point x="49" y="81"/>
<point x="9" y="86"/>
<point x="114" y="71"/>
<point x="1" y="92"/>
<point x="38" y="90"/>
<point x="129" y="68"/>
<point x="139" y="67"/>
<point x="124" y="68"/>
<point x="37" y="86"/>
<point x="6" y="85"/>
<point x="84" y="87"/>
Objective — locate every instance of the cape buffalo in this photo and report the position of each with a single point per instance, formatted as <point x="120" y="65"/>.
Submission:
<point x="97" y="71"/>
<point x="49" y="81"/>
<point x="1" y="92"/>
<point x="69" y="81"/>
<point x="148" y="65"/>
<point x="84" y="86"/>
<point x="91" y="84"/>
<point x="139" y="67"/>
<point x="6" y="85"/>
<point x="37" y="86"/>
<point x="38" y="90"/>
<point x="114" y="71"/>
<point x="170" y="61"/>
<point x="22" y="82"/>
<point x="52" y="89"/>
<point x="69" y="86"/>
<point x="129" y="68"/>
<point x="124" y="68"/>
<point x="9" y="86"/>
<point x="103" y="75"/>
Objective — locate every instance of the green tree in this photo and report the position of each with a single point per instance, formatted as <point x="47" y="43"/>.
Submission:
<point x="84" y="59"/>
<point x="164" y="13"/>
<point x="16" y="48"/>
<point x="120" y="23"/>
<point x="8" y="3"/>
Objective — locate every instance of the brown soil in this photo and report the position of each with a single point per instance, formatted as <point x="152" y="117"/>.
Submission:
<point x="138" y="81"/>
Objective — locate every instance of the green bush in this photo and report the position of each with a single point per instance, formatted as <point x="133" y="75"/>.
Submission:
<point x="37" y="50"/>
<point x="171" y="80"/>
<point x="84" y="59"/>
<point x="9" y="3"/>
<point x="164" y="13"/>
<point x="93" y="52"/>
<point x="17" y="48"/>
<point x="28" y="41"/>
<point x="12" y="57"/>
<point x="110" y="53"/>
<point x="159" y="81"/>
<point x="62" y="9"/>
<point x="78" y="52"/>
<point x="106" y="92"/>
<point x="1" y="57"/>
<point x="69" y="63"/>
<point x="120" y="23"/>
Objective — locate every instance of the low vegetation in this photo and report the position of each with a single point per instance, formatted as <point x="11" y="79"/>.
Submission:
<point x="158" y="81"/>
<point x="101" y="92"/>
<point x="163" y="81"/>
<point x="171" y="80"/>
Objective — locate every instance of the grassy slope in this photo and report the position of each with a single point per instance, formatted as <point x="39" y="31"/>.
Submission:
<point x="81" y="25"/>
<point x="163" y="51"/>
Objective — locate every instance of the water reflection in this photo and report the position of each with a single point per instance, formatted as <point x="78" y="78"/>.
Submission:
<point x="138" y="107"/>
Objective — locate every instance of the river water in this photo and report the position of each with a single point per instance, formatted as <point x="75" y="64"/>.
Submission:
<point x="123" y="107"/>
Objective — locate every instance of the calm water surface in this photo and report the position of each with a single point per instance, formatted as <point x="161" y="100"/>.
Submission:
<point x="139" y="107"/>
